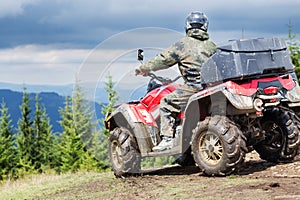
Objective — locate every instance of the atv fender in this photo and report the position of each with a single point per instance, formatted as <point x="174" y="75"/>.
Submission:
<point x="215" y="100"/>
<point x="293" y="96"/>
<point x="124" y="116"/>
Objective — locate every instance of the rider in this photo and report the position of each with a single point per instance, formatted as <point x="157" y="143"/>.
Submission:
<point x="189" y="53"/>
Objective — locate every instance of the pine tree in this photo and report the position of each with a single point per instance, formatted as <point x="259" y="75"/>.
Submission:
<point x="112" y="99"/>
<point x="8" y="151"/>
<point x="25" y="138"/>
<point x="71" y="147"/>
<point x="102" y="145"/>
<point x="82" y="117"/>
<point x="79" y="142"/>
<point x="76" y="139"/>
<point x="43" y="138"/>
<point x="56" y="153"/>
<point x="85" y="127"/>
<point x="294" y="50"/>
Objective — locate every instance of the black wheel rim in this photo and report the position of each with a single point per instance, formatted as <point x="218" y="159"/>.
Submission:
<point x="274" y="137"/>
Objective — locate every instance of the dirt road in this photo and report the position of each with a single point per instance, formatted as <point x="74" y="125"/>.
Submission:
<point x="257" y="179"/>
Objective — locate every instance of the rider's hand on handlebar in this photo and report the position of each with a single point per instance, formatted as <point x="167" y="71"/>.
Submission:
<point x="139" y="72"/>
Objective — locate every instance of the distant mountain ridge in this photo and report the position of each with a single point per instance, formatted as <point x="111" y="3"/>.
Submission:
<point x="53" y="98"/>
<point x="50" y="100"/>
<point x="63" y="90"/>
<point x="124" y="92"/>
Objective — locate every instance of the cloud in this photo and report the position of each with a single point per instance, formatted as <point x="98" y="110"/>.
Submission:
<point x="45" y="41"/>
<point x="37" y="64"/>
<point x="56" y="64"/>
<point x="86" y="23"/>
<point x="15" y="7"/>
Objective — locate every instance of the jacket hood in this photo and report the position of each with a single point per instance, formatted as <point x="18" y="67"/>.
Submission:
<point x="198" y="34"/>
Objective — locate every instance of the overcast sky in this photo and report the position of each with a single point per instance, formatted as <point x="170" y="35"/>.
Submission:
<point x="46" y="41"/>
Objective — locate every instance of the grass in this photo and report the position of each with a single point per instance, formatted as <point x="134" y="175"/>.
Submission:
<point x="38" y="186"/>
<point x="93" y="185"/>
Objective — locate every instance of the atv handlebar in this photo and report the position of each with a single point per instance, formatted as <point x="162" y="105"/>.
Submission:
<point x="163" y="80"/>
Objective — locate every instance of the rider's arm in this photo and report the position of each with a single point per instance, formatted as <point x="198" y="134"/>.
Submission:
<point x="164" y="60"/>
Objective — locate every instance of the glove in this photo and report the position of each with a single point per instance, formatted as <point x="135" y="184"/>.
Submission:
<point x="139" y="72"/>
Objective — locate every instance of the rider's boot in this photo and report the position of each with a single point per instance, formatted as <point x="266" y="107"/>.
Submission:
<point x="167" y="141"/>
<point x="166" y="130"/>
<point x="165" y="144"/>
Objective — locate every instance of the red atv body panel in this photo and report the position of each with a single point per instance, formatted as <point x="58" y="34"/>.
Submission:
<point x="250" y="88"/>
<point x="147" y="110"/>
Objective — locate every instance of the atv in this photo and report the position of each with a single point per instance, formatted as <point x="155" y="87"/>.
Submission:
<point x="249" y="100"/>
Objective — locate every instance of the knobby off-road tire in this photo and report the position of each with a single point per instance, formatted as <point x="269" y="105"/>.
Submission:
<point x="218" y="146"/>
<point x="282" y="136"/>
<point x="296" y="119"/>
<point x="123" y="152"/>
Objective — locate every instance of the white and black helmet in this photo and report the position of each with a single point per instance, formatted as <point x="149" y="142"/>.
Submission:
<point x="196" y="20"/>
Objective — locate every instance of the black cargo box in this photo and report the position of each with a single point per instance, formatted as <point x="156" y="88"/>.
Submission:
<point x="240" y="59"/>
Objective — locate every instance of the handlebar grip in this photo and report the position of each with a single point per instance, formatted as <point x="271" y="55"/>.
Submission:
<point x="140" y="72"/>
<point x="137" y="71"/>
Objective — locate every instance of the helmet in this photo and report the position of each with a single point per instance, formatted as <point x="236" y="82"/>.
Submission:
<point x="196" y="20"/>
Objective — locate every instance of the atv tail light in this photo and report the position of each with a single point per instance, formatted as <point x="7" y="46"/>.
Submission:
<point x="271" y="90"/>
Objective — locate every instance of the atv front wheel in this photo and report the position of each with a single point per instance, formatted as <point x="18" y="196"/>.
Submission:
<point x="281" y="142"/>
<point x="218" y="146"/>
<point x="123" y="153"/>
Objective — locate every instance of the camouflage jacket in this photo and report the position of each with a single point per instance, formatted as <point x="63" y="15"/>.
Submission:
<point x="190" y="52"/>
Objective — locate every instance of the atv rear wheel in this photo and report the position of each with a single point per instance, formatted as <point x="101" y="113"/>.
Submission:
<point x="123" y="153"/>
<point x="281" y="142"/>
<point x="218" y="146"/>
